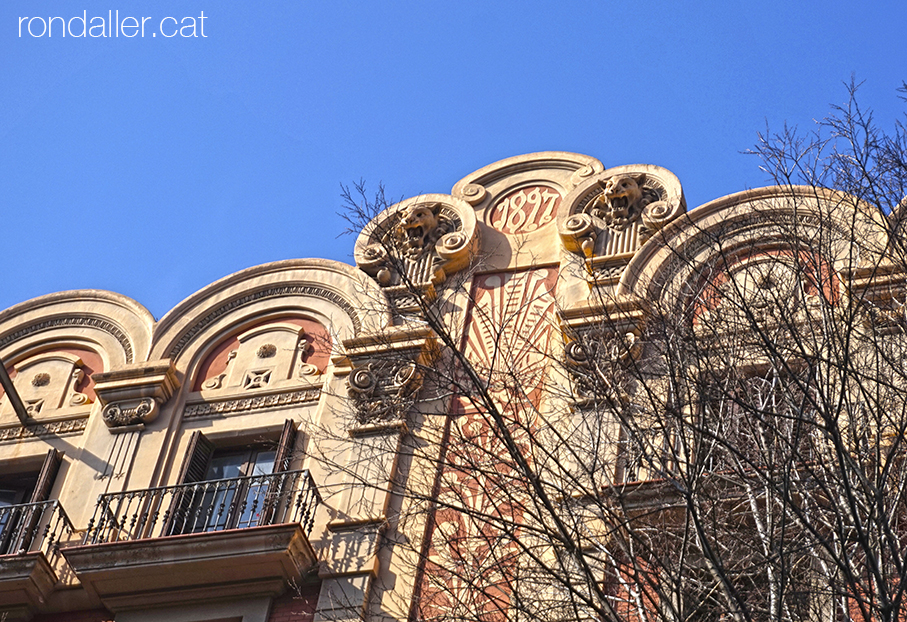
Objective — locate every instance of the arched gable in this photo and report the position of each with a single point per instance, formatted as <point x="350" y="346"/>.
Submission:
<point x="52" y="346"/>
<point x="337" y="296"/>
<point x="831" y="230"/>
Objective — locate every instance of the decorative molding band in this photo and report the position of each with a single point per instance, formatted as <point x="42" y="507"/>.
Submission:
<point x="362" y="522"/>
<point x="273" y="292"/>
<point x="210" y="409"/>
<point x="390" y="427"/>
<point x="93" y="322"/>
<point x="66" y="426"/>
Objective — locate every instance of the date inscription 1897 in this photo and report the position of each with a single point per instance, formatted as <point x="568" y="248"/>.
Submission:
<point x="525" y="210"/>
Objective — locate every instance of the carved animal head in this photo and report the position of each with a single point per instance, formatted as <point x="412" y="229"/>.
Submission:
<point x="417" y="227"/>
<point x="622" y="198"/>
<point x="621" y="201"/>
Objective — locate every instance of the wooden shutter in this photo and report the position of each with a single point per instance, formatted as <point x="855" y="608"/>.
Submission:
<point x="26" y="525"/>
<point x="285" y="447"/>
<point x="195" y="463"/>
<point x="194" y="469"/>
<point x="277" y="500"/>
<point x="47" y="476"/>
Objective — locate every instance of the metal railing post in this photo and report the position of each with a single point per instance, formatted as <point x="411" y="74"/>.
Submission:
<point x="214" y="505"/>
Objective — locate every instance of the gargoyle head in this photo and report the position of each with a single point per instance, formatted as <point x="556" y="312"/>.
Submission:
<point x="620" y="202"/>
<point x="416" y="228"/>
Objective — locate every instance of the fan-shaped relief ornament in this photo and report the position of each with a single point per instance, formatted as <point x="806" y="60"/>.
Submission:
<point x="417" y="243"/>
<point x="608" y="217"/>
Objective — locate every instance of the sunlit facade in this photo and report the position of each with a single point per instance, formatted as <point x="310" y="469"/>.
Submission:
<point x="245" y="457"/>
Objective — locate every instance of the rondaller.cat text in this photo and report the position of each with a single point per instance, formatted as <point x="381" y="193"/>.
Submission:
<point x="112" y="25"/>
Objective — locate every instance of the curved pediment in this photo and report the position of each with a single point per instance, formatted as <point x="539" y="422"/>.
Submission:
<point x="53" y="345"/>
<point x="336" y="295"/>
<point x="800" y="225"/>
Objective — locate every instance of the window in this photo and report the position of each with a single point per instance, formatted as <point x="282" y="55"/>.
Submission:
<point x="14" y="491"/>
<point x="757" y="419"/>
<point x="19" y="494"/>
<point x="239" y="495"/>
<point x="231" y="488"/>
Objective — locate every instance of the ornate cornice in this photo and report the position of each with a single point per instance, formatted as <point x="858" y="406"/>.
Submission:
<point x="52" y="428"/>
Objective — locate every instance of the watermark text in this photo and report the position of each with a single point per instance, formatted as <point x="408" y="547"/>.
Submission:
<point x="112" y="25"/>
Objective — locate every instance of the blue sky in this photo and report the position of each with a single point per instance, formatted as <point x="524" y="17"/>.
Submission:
<point x="153" y="166"/>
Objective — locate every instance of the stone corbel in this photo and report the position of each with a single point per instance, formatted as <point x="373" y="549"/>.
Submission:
<point x="600" y="334"/>
<point x="133" y="394"/>
<point x="385" y="374"/>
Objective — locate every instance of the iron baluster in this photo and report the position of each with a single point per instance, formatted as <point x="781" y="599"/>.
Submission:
<point x="206" y="506"/>
<point x="32" y="526"/>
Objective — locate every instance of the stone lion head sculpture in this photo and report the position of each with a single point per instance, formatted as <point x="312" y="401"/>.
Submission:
<point x="621" y="201"/>
<point x="417" y="228"/>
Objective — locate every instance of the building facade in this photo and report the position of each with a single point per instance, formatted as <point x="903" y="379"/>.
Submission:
<point x="302" y="440"/>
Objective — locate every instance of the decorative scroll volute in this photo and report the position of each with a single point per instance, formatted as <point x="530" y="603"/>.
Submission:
<point x="418" y="241"/>
<point x="591" y="350"/>
<point x="385" y="373"/>
<point x="609" y="216"/>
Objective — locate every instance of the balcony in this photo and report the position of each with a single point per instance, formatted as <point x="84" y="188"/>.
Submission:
<point x="29" y="537"/>
<point x="228" y="537"/>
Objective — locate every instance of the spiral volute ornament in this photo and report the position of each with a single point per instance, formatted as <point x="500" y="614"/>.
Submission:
<point x="576" y="353"/>
<point x="578" y="225"/>
<point x="656" y="215"/>
<point x="474" y="193"/>
<point x="363" y="380"/>
<point x="405" y="374"/>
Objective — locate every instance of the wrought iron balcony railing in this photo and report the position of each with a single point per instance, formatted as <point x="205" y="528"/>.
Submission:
<point x="35" y="526"/>
<point x="215" y="505"/>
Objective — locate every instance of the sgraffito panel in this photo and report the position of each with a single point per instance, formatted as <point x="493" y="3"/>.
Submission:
<point x="471" y="565"/>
